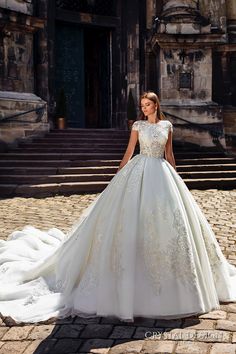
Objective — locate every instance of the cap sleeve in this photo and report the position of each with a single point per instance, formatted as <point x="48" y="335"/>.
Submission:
<point x="135" y="126"/>
<point x="170" y="127"/>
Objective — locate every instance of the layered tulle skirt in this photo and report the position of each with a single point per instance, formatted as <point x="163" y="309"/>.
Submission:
<point x="142" y="248"/>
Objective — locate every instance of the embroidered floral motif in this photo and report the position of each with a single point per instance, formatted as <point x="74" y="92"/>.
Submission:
<point x="183" y="251"/>
<point x="89" y="279"/>
<point x="40" y="289"/>
<point x="213" y="251"/>
<point x="116" y="254"/>
<point x="59" y="286"/>
<point x="126" y="175"/>
<point x="153" y="137"/>
<point x="3" y="269"/>
<point x="173" y="259"/>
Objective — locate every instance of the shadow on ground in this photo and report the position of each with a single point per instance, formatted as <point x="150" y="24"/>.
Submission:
<point x="107" y="335"/>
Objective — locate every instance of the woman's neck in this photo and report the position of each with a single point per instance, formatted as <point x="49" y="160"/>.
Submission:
<point x="152" y="118"/>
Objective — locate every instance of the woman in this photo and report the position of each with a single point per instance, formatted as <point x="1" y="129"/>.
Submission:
<point x="142" y="248"/>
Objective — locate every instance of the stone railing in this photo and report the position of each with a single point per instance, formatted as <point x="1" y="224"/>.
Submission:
<point x="215" y="131"/>
<point x="13" y="117"/>
<point x="21" y="116"/>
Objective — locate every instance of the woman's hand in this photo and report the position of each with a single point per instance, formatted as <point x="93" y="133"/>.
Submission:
<point x="130" y="149"/>
<point x="169" y="155"/>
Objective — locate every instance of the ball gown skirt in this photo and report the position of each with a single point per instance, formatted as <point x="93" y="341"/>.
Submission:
<point x="142" y="248"/>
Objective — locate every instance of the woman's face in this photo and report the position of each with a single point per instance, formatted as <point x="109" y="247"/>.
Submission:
<point x="148" y="107"/>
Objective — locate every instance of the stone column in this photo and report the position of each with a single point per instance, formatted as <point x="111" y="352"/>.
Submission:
<point x="181" y="16"/>
<point x="17" y="84"/>
<point x="186" y="70"/>
<point x="42" y="63"/>
<point x="231" y="9"/>
<point x="231" y="20"/>
<point x="225" y="58"/>
<point x="150" y="13"/>
<point x="173" y="4"/>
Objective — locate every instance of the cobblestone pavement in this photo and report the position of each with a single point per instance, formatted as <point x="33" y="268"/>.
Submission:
<point x="212" y="333"/>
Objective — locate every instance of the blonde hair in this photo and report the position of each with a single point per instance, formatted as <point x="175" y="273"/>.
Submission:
<point x="152" y="96"/>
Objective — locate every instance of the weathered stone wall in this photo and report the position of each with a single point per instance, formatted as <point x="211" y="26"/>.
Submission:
<point x="187" y="34"/>
<point x="197" y="63"/>
<point x="133" y="51"/>
<point x="231" y="9"/>
<point x="150" y="13"/>
<point x="23" y="6"/>
<point x="42" y="53"/>
<point x="17" y="73"/>
<point x="21" y="126"/>
<point x="133" y="63"/>
<point x="215" y="10"/>
<point x="16" y="64"/>
<point x="208" y="115"/>
<point x="169" y="4"/>
<point x="231" y="20"/>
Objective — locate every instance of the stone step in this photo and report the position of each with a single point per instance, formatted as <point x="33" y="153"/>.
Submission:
<point x="107" y="140"/>
<point x="104" y="156"/>
<point x="55" y="138"/>
<point x="50" y="170"/>
<point x="65" y="150"/>
<point x="103" y="149"/>
<point x="59" y="156"/>
<point x="89" y="135"/>
<point x="43" y="190"/>
<point x="86" y="130"/>
<point x="213" y="167"/>
<point x="62" y="178"/>
<point x="69" y="145"/>
<point x="103" y="169"/>
<point x="57" y="163"/>
<point x="96" y="150"/>
<point x="46" y="179"/>
<point x="57" y="170"/>
<point x="84" y="161"/>
<point x="206" y="161"/>
<point x="182" y="164"/>
<point x="207" y="174"/>
<point x="72" y="141"/>
<point x="211" y="183"/>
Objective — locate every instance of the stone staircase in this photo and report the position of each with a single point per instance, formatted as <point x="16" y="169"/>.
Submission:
<point x="84" y="161"/>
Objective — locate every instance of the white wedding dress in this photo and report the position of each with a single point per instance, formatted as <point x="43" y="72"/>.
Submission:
<point x="142" y="248"/>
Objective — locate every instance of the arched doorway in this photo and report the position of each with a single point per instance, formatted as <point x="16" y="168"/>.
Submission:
<point x="83" y="61"/>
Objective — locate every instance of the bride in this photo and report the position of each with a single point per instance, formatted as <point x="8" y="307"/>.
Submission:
<point x="142" y="248"/>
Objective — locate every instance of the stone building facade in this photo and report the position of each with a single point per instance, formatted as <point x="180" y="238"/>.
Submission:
<point x="18" y="72"/>
<point x="99" y="52"/>
<point x="195" y="49"/>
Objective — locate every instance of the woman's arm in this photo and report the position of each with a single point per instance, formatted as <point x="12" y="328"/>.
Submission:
<point x="130" y="149"/>
<point x="169" y="151"/>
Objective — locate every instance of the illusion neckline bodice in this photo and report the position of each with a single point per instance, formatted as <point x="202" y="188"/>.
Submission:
<point x="152" y="137"/>
<point x="152" y="123"/>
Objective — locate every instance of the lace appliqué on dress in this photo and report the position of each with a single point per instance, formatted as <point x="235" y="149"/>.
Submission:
<point x="175" y="259"/>
<point x="3" y="269"/>
<point x="135" y="126"/>
<point x="116" y="249"/>
<point x="153" y="138"/>
<point x="40" y="289"/>
<point x="89" y="280"/>
<point x="126" y="175"/>
<point x="213" y="251"/>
